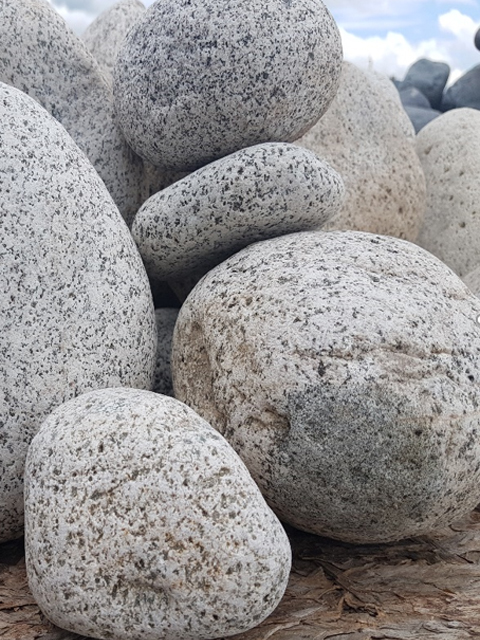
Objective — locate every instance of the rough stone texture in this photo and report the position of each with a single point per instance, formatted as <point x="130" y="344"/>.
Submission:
<point x="420" y="117"/>
<point x="76" y="311"/>
<point x="256" y="193"/>
<point x="143" y="524"/>
<point x="196" y="80"/>
<point x="166" y="319"/>
<point x="465" y="92"/>
<point x="105" y="35"/>
<point x="344" y="369"/>
<point x="368" y="138"/>
<point x="413" y="97"/>
<point x="472" y="280"/>
<point x="41" y="56"/>
<point x="430" y="78"/>
<point x="448" y="149"/>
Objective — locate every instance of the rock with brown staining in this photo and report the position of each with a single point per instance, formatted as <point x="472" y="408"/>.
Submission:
<point x="344" y="369"/>
<point x="142" y="523"/>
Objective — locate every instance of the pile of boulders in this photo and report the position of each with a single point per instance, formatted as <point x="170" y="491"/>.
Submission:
<point x="320" y="367"/>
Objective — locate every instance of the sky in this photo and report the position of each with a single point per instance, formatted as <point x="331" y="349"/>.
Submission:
<point x="385" y="35"/>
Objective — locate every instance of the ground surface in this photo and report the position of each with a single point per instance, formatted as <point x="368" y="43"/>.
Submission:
<point x="413" y="590"/>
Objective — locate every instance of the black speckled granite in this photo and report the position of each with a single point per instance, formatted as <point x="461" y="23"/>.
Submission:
<point x="76" y="311"/>
<point x="344" y="369"/>
<point x="196" y="80"/>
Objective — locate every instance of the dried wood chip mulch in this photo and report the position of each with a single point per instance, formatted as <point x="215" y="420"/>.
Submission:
<point x="417" y="589"/>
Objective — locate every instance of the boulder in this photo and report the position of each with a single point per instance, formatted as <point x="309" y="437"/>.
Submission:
<point x="256" y="193"/>
<point x="430" y="78"/>
<point x="41" y="56"/>
<point x="476" y="40"/>
<point x="420" y="117"/>
<point x="143" y="523"/>
<point x="465" y="92"/>
<point x="343" y="367"/>
<point x="368" y="138"/>
<point x="196" y="80"/>
<point x="76" y="311"/>
<point x="448" y="150"/>
<point x="412" y="97"/>
<point x="105" y="35"/>
<point x="166" y="318"/>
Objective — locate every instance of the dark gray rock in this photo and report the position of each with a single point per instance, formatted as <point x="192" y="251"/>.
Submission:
<point x="413" y="97"/>
<point x="476" y="40"/>
<point x="428" y="77"/>
<point x="421" y="116"/>
<point x="465" y="92"/>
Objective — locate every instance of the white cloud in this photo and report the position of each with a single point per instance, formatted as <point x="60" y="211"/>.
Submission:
<point x="458" y="24"/>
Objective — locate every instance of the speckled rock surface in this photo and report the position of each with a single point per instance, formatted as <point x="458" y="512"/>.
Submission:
<point x="383" y="178"/>
<point x="143" y="524"/>
<point x="448" y="149"/>
<point x="75" y="306"/>
<point x="165" y="319"/>
<point x="256" y="193"/>
<point x="472" y="280"/>
<point x="105" y="35"/>
<point x="41" y="56"/>
<point x="196" y="80"/>
<point x="344" y="368"/>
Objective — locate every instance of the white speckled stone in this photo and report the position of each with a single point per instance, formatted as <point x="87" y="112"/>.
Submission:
<point x="105" y="35"/>
<point x="260" y="192"/>
<point x="472" y="280"/>
<point x="448" y="149"/>
<point x="41" y="56"/>
<point x="368" y="138"/>
<point x="142" y="523"/>
<point x="76" y="311"/>
<point x="165" y="319"/>
<point x="344" y="368"/>
<point x="196" y="80"/>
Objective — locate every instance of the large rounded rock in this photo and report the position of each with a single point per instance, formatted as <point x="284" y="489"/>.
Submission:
<point x="430" y="78"/>
<point x="448" y="150"/>
<point x="420" y="117"/>
<point x="368" y="138"/>
<point x="76" y="311"/>
<point x="465" y="92"/>
<point x="143" y="524"/>
<point x="344" y="369"/>
<point x="43" y="58"/>
<point x="197" y="80"/>
<point x="105" y="35"/>
<point x="256" y="193"/>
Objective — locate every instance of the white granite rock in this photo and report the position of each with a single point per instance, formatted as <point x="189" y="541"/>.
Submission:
<point x="448" y="149"/>
<point x="260" y="192"/>
<point x="472" y="280"/>
<point x="142" y="523"/>
<point x="196" y="80"/>
<point x="76" y="311"/>
<point x="343" y="367"/>
<point x="105" y="35"/>
<point x="41" y="56"/>
<point x="165" y="318"/>
<point x="368" y="138"/>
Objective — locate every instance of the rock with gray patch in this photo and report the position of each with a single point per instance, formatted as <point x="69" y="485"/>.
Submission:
<point x="41" y="56"/>
<point x="256" y="193"/>
<point x="143" y="523"/>
<point x="343" y="367"/>
<point x="196" y="80"/>
<point x="165" y="319"/>
<point x="448" y="150"/>
<point x="76" y="311"/>
<point x="105" y="35"/>
<point x="368" y="138"/>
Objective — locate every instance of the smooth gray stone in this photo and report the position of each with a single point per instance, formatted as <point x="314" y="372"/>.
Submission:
<point x="430" y="78"/>
<point x="76" y="312"/>
<point x="256" y="193"/>
<point x="105" y="35"/>
<point x="196" y="80"/>
<point x="476" y="41"/>
<point x="420" y="116"/>
<point x="465" y="92"/>
<point x="413" y="97"/>
<point x="142" y="523"/>
<point x="344" y="368"/>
